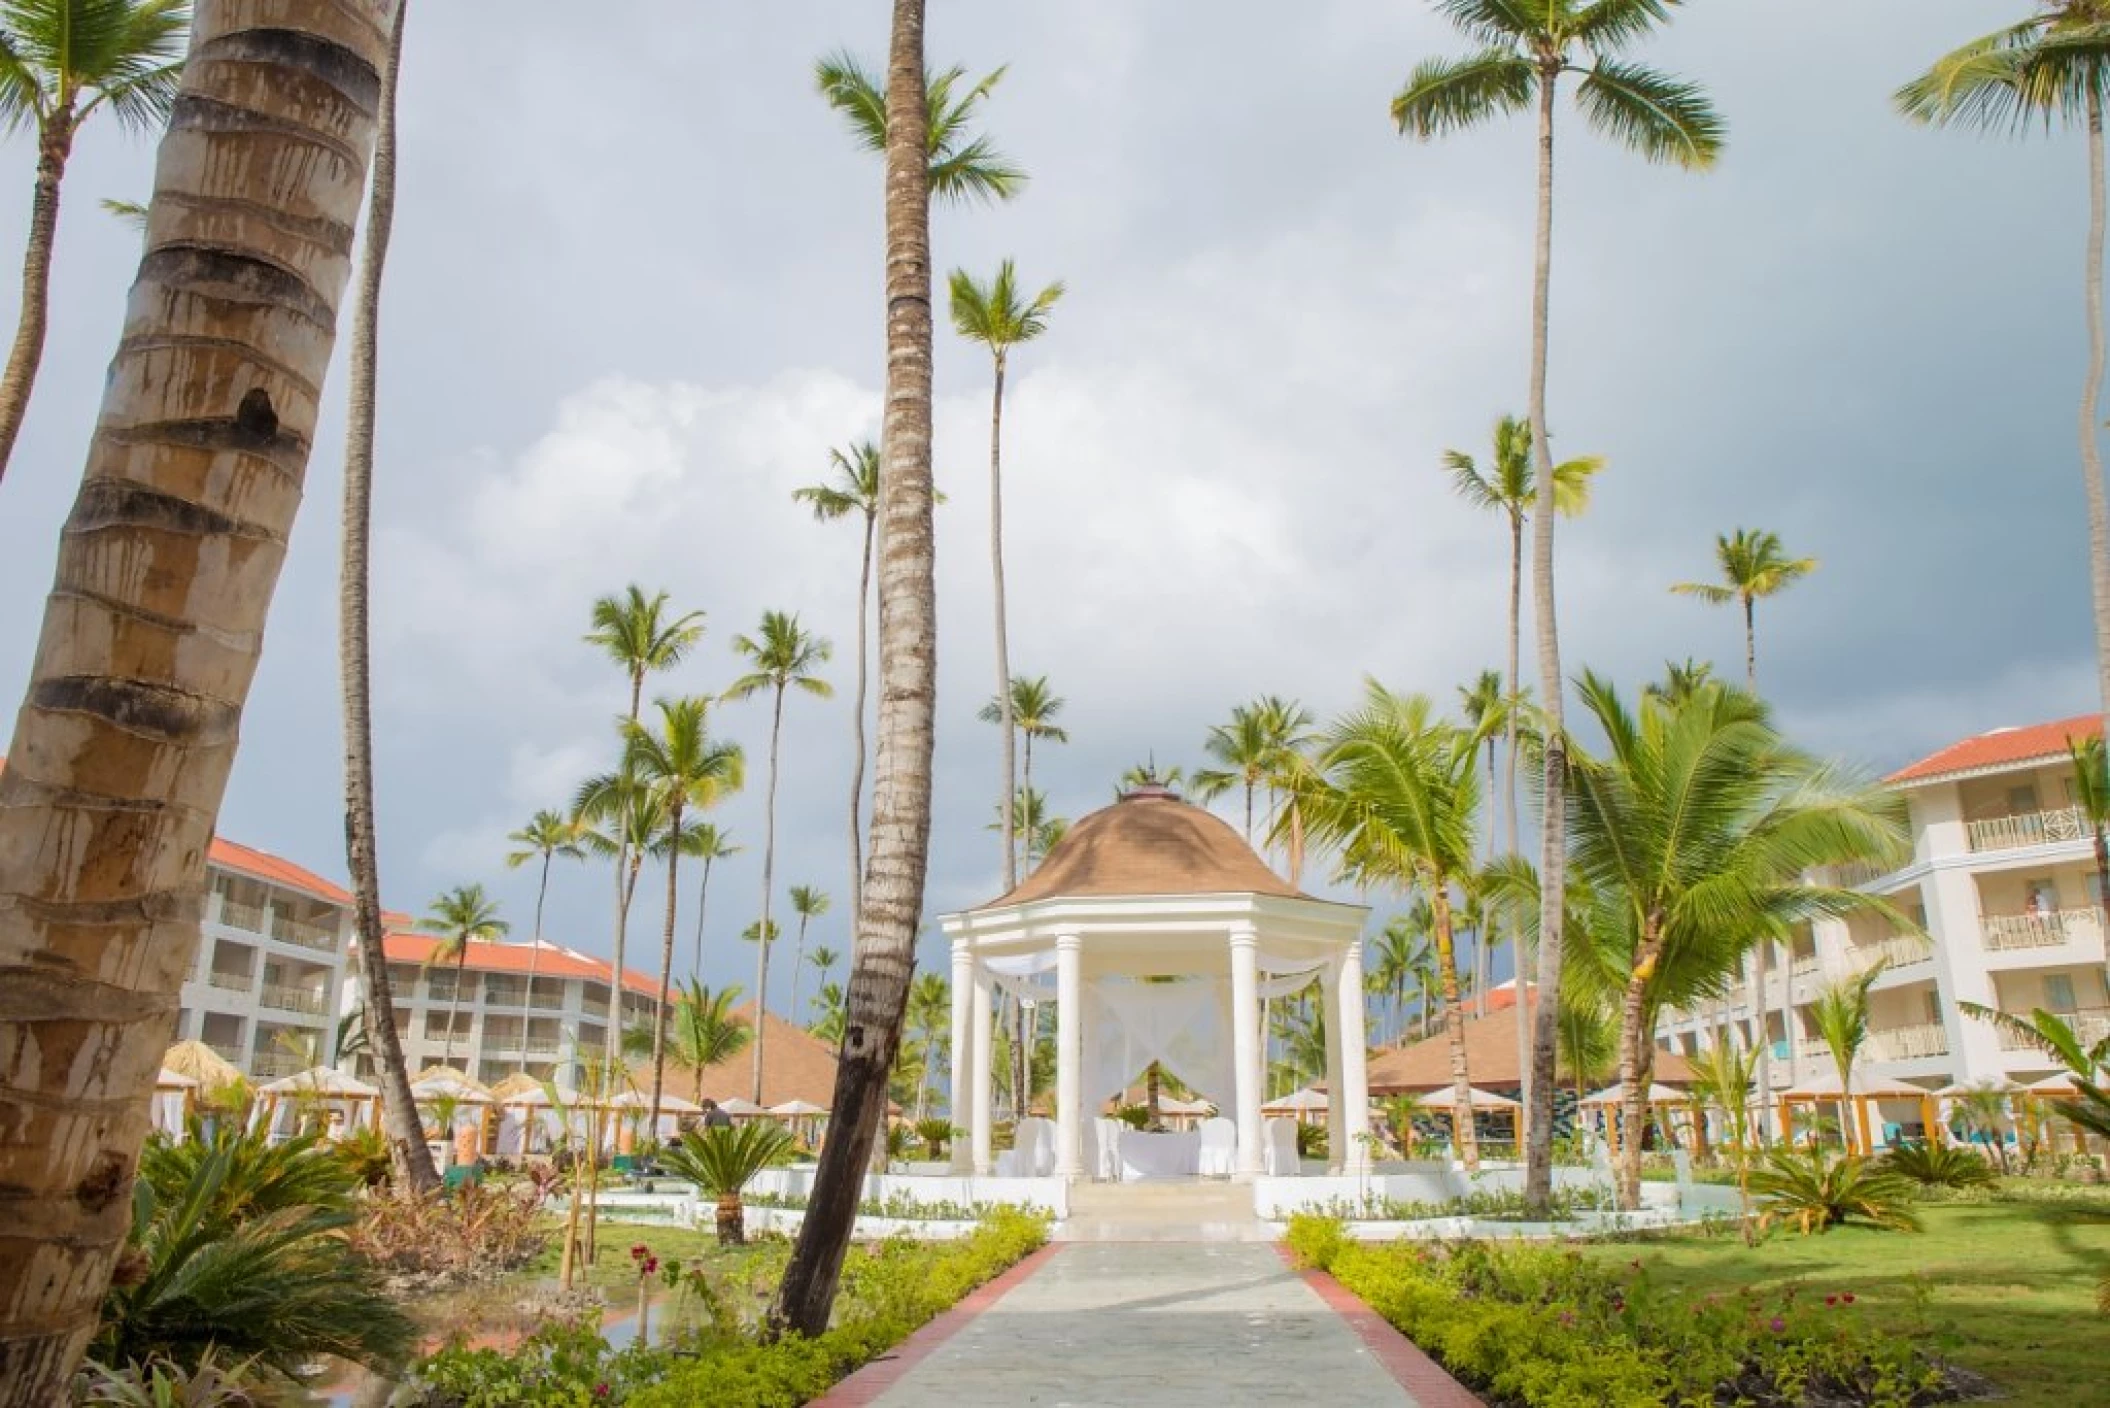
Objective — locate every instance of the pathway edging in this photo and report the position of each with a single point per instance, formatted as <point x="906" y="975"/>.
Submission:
<point x="1427" y="1382"/>
<point x="866" y="1385"/>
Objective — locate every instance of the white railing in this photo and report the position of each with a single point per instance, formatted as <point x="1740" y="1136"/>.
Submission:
<point x="231" y="982"/>
<point x="273" y="1064"/>
<point x="2004" y="833"/>
<point x="549" y="997"/>
<point x="1910" y="1043"/>
<point x="302" y="934"/>
<point x="594" y="1009"/>
<point x="1899" y="951"/>
<point x="1806" y="967"/>
<point x="236" y="915"/>
<point x="2009" y="931"/>
<point x="2090" y="1025"/>
<point x="503" y="995"/>
<point x="292" y="999"/>
<point x="542" y="1046"/>
<point x="230" y="1054"/>
<point x="1812" y="1051"/>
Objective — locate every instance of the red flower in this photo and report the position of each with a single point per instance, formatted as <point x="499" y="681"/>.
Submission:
<point x="651" y="1265"/>
<point x="639" y="1252"/>
<point x="1778" y="1325"/>
<point x="1831" y="1300"/>
<point x="1848" y="1297"/>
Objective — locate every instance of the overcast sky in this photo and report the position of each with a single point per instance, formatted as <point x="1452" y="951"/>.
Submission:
<point x="633" y="300"/>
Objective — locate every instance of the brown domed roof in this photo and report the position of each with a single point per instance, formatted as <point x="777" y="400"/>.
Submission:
<point x="1150" y="843"/>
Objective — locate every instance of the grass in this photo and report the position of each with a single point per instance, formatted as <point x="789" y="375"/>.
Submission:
<point x="2004" y="1288"/>
<point x="612" y="1271"/>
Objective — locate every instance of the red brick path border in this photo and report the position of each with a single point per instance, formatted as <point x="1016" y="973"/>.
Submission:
<point x="1426" y="1381"/>
<point x="868" y="1383"/>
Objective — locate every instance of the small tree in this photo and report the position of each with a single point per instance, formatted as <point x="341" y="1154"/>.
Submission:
<point x="722" y="1160"/>
<point x="1840" y="1014"/>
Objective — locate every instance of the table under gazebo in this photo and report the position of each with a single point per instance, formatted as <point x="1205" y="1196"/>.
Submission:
<point x="1155" y="932"/>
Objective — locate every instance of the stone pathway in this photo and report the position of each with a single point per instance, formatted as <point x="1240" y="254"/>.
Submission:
<point x="1125" y="1324"/>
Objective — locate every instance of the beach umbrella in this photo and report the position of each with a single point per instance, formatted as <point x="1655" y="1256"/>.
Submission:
<point x="741" y="1109"/>
<point x="1295" y="1102"/>
<point x="1658" y="1094"/>
<point x="795" y="1109"/>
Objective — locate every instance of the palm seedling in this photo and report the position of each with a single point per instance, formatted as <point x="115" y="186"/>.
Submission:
<point x="722" y="1160"/>
<point x="1816" y="1191"/>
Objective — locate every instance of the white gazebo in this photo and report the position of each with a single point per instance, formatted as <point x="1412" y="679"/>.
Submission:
<point x="1155" y="931"/>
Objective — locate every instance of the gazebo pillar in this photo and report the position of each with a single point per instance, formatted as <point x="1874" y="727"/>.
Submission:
<point x="1245" y="1046"/>
<point x="1355" y="1061"/>
<point x="978" y="1099"/>
<point x="964" y="1049"/>
<point x="1336" y="1095"/>
<point x="1069" y="1055"/>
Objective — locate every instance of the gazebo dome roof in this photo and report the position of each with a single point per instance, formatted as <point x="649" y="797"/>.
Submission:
<point x="1150" y="842"/>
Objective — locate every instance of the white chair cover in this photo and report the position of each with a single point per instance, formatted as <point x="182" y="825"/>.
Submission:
<point x="1282" y="1149"/>
<point x="1109" y="1166"/>
<point x="1032" y="1151"/>
<point x="1089" y="1135"/>
<point x="1219" y="1147"/>
<point x="512" y="1132"/>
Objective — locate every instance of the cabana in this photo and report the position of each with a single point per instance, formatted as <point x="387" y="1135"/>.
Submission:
<point x="741" y="1109"/>
<point x="1611" y="1101"/>
<point x="2057" y="1089"/>
<point x="631" y="1110"/>
<point x="1477" y="1102"/>
<point x="1300" y="1105"/>
<point x="212" y="1072"/>
<point x="437" y="1085"/>
<point x="320" y="1095"/>
<point x="1866" y="1090"/>
<point x="803" y="1116"/>
<point x="517" y="1103"/>
<point x="173" y="1094"/>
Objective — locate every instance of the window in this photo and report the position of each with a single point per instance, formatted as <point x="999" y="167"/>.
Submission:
<point x="2058" y="992"/>
<point x="2022" y="799"/>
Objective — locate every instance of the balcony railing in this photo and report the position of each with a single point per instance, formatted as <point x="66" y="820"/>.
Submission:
<point x="548" y="998"/>
<point x="1857" y="873"/>
<point x="1812" y="1051"/>
<point x="1898" y="950"/>
<point x="2090" y="1025"/>
<point x="542" y="1046"/>
<point x="236" y="915"/>
<point x="2004" y="833"/>
<point x="273" y="1064"/>
<point x="1910" y="1043"/>
<point x="501" y="995"/>
<point x="2047" y="930"/>
<point x="595" y="1009"/>
<point x="1808" y="967"/>
<point x="293" y="999"/>
<point x="226" y="1051"/>
<point x="232" y="982"/>
<point x="302" y="934"/>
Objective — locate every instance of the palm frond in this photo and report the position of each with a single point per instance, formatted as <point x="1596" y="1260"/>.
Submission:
<point x="1442" y="96"/>
<point x="1661" y="118"/>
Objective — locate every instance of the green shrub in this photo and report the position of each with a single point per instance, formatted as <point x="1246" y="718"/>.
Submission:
<point x="206" y="1384"/>
<point x="1939" y="1166"/>
<point x="1817" y="1191"/>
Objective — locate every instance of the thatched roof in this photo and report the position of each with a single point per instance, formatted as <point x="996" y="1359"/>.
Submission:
<point x="1150" y="843"/>
<point x="201" y="1063"/>
<point x="1490" y="1060"/>
<point x="796" y="1065"/>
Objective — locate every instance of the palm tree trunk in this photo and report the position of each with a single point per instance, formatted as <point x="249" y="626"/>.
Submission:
<point x="666" y="971"/>
<point x="798" y="967"/>
<point x="1634" y="1029"/>
<point x="454" y="1008"/>
<point x="1553" y="830"/>
<point x="857" y="731"/>
<point x="2091" y="391"/>
<point x="1006" y="716"/>
<point x="703" y="892"/>
<point x="1762" y="1041"/>
<point x="1462" y="1121"/>
<point x="121" y="748"/>
<point x="883" y="956"/>
<point x="54" y="146"/>
<point x="769" y="864"/>
<point x="534" y="953"/>
<point x="1750" y="643"/>
<point x="1025" y="787"/>
<point x="399" y="1112"/>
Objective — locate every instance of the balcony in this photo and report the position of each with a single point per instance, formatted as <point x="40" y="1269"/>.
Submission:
<point x="270" y="1065"/>
<point x="2006" y="833"/>
<point x="504" y="995"/>
<point x="2048" y="930"/>
<point x="1855" y="874"/>
<point x="236" y="915"/>
<point x="302" y="934"/>
<point x="1899" y="951"/>
<point x="1807" y="967"/>
<point x="226" y="1052"/>
<point x="230" y="982"/>
<point x="542" y="1046"/>
<point x="293" y="999"/>
<point x="549" y="997"/>
<point x="1910" y="1043"/>
<point x="2090" y="1025"/>
<point x="595" y="1009"/>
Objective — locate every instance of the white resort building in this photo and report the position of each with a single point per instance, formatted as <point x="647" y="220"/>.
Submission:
<point x="2002" y="879"/>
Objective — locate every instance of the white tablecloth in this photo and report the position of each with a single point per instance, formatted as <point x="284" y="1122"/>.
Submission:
<point x="1177" y="1155"/>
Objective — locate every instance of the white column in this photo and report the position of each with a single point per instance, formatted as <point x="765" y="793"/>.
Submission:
<point x="978" y="1098"/>
<point x="1355" y="1063"/>
<point x="1245" y="1046"/>
<point x="964" y="1048"/>
<point x="1336" y="1097"/>
<point x="1069" y="1055"/>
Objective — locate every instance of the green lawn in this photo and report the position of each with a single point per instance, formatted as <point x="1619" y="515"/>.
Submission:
<point x="2007" y="1289"/>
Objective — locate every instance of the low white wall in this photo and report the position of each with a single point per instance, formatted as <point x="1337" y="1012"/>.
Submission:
<point x="789" y="1220"/>
<point x="1276" y="1198"/>
<point x="1048" y="1194"/>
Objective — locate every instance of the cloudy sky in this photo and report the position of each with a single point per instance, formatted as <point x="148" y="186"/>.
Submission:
<point x="633" y="300"/>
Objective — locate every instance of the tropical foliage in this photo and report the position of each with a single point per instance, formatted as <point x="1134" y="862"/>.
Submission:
<point x="722" y="1159"/>
<point x="1817" y="1190"/>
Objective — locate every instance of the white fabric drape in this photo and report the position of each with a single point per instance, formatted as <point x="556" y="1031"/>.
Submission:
<point x="1184" y="1026"/>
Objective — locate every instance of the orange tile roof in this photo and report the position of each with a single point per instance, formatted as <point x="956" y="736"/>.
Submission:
<point x="556" y="961"/>
<point x="2002" y="747"/>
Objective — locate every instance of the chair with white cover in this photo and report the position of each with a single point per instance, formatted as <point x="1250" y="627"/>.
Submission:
<point x="1282" y="1149"/>
<point x="1219" y="1152"/>
<point x="1088" y="1136"/>
<point x="1109" y="1166"/>
<point x="1043" y="1165"/>
<point x="1032" y="1145"/>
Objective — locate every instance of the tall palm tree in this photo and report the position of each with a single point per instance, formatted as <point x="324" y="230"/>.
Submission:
<point x="620" y="820"/>
<point x="408" y="1152"/>
<point x="704" y="1031"/>
<point x="1242" y="748"/>
<point x="1524" y="53"/>
<point x="827" y="1021"/>
<point x="824" y="959"/>
<point x="127" y="753"/>
<point x="547" y="835"/>
<point x="1754" y="565"/>
<point x="891" y="905"/>
<point x="636" y="634"/>
<point x="1397" y="956"/>
<point x="709" y="843"/>
<point x="1033" y="710"/>
<point x="963" y="166"/>
<point x="61" y="60"/>
<point x="809" y="902"/>
<point x="1681" y="681"/>
<point x="1288" y="723"/>
<point x="929" y="1028"/>
<point x="462" y="916"/>
<point x="999" y="317"/>
<point x="1395" y="793"/>
<point x="682" y="767"/>
<point x="784" y="656"/>
<point x="2053" y="65"/>
<point x="1840" y="1013"/>
<point x="855" y="489"/>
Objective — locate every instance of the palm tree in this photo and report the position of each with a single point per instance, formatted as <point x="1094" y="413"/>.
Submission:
<point x="2054" y="64"/>
<point x="1840" y="1013"/>
<point x="722" y="1159"/>
<point x="408" y="1153"/>
<point x="785" y="656"/>
<point x="704" y="1031"/>
<point x="2091" y="790"/>
<point x="929" y="1026"/>
<point x="707" y="842"/>
<point x="1722" y="1076"/>
<point x="547" y="835"/>
<point x="1395" y="957"/>
<point x="1250" y="751"/>
<point x="621" y="820"/>
<point x="682" y="767"/>
<point x="855" y="489"/>
<point x="1033" y="710"/>
<point x="634" y="631"/>
<point x="1753" y="566"/>
<point x="1395" y="793"/>
<point x="999" y="318"/>
<point x="1681" y="681"/>
<point x="1524" y="53"/>
<point x="962" y="167"/>
<point x="809" y="903"/>
<point x="462" y="916"/>
<point x="60" y="60"/>
<point x="890" y="907"/>
<point x="827" y="1021"/>
<point x="1148" y="774"/>
<point x="825" y="959"/>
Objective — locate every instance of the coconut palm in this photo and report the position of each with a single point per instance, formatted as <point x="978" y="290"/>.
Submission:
<point x="1395" y="791"/>
<point x="1754" y="566"/>
<point x="707" y="842"/>
<point x="1397" y="956"/>
<point x="963" y="167"/>
<point x="1260" y="748"/>
<point x="1524" y="53"/>
<point x="462" y="916"/>
<point x="825" y="959"/>
<point x="2091" y="792"/>
<point x="890" y="906"/>
<point x="1033" y="710"/>
<point x="682" y="767"/>
<point x="784" y="656"/>
<point x="411" y="1158"/>
<point x="929" y="1030"/>
<point x="1840" y="1013"/>
<point x="547" y="835"/>
<point x="1000" y="318"/>
<point x="722" y="1160"/>
<point x="61" y="61"/>
<point x="827" y="1023"/>
<point x="809" y="903"/>
<point x="620" y="820"/>
<point x="635" y="632"/>
<point x="1681" y="681"/>
<point x="855" y="489"/>
<point x="704" y="1031"/>
<point x="2054" y="65"/>
<point x="1589" y="1040"/>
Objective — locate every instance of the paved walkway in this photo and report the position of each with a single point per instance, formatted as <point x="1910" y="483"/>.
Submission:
<point x="1125" y="1324"/>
